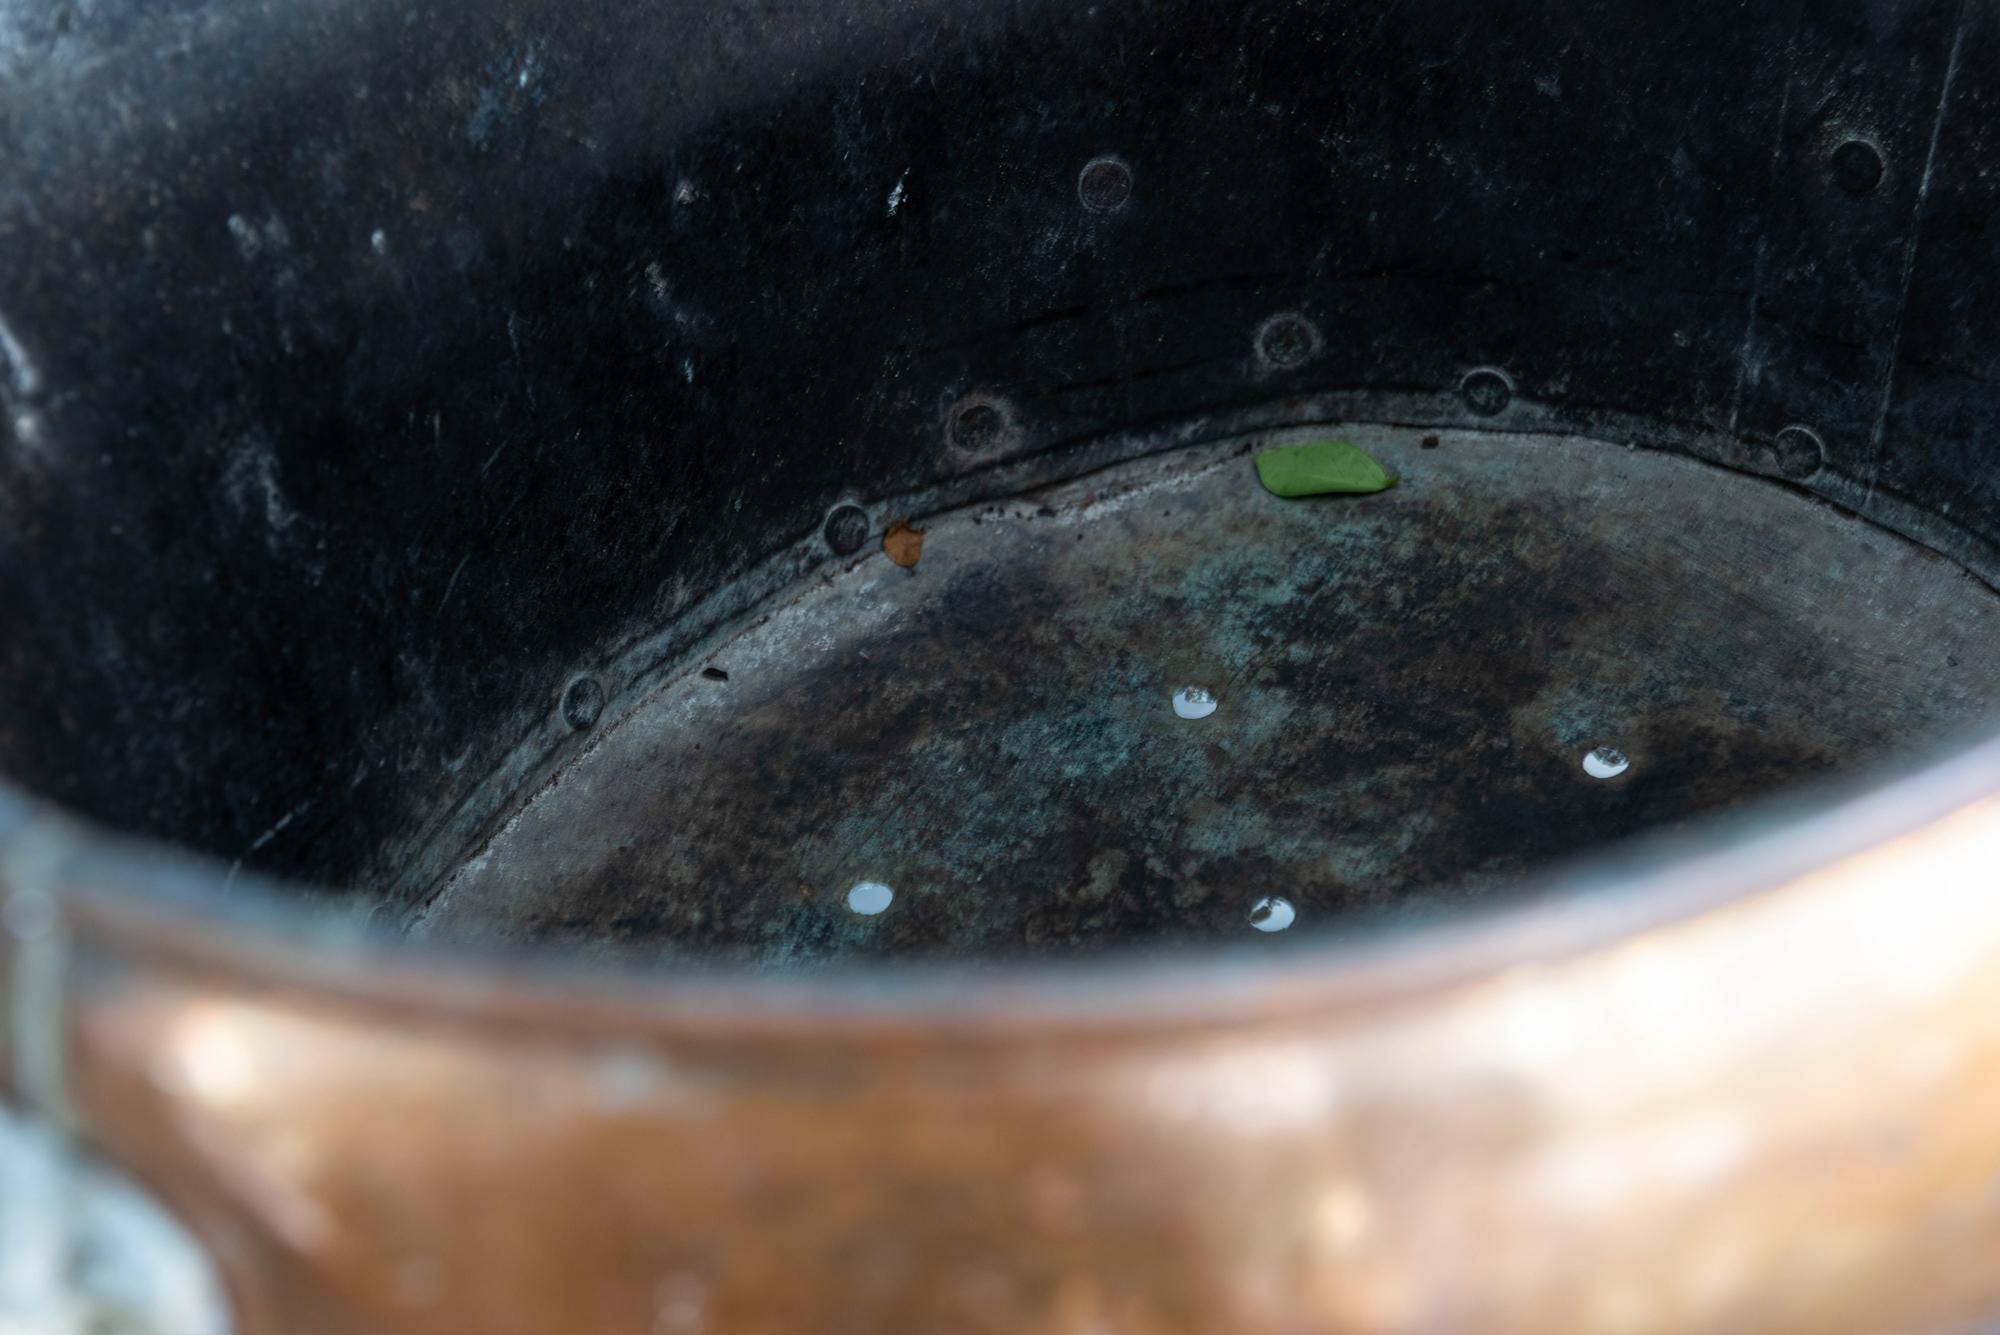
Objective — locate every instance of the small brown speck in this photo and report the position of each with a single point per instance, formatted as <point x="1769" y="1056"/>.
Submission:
<point x="903" y="544"/>
<point x="1430" y="442"/>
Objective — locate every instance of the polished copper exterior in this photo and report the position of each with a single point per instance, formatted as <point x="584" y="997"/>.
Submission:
<point x="1746" y="1089"/>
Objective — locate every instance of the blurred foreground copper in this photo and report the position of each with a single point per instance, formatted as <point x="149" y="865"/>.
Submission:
<point x="1755" y="1089"/>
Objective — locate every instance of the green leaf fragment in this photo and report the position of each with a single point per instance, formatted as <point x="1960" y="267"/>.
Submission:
<point x="1320" y="467"/>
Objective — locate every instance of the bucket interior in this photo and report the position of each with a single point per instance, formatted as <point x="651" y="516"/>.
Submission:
<point x="1530" y="647"/>
<point x="462" y="474"/>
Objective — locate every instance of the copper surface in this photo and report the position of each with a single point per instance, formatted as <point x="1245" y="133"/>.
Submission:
<point x="1755" y="1090"/>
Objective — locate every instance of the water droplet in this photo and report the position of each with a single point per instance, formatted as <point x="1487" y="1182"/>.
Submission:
<point x="1194" y="702"/>
<point x="1272" y="913"/>
<point x="869" y="898"/>
<point x="1605" y="763"/>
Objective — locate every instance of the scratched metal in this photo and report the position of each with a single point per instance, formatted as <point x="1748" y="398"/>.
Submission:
<point x="1408" y="684"/>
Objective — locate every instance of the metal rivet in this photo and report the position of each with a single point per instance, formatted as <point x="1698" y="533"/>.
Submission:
<point x="1857" y="167"/>
<point x="1104" y="185"/>
<point x="1801" y="452"/>
<point x="582" y="702"/>
<point x="1486" y="391"/>
<point x="1287" y="340"/>
<point x="979" y="424"/>
<point x="846" y="529"/>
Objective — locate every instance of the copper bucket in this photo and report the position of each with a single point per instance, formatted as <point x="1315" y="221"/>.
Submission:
<point x="651" y="688"/>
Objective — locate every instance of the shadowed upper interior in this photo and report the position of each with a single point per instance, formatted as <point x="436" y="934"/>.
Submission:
<point x="373" y="376"/>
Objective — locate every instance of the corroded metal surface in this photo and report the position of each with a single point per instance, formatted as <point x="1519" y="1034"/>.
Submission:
<point x="1408" y="683"/>
<point x="374" y="370"/>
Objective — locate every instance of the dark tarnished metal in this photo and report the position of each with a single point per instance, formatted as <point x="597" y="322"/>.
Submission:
<point x="383" y="367"/>
<point x="1408" y="684"/>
